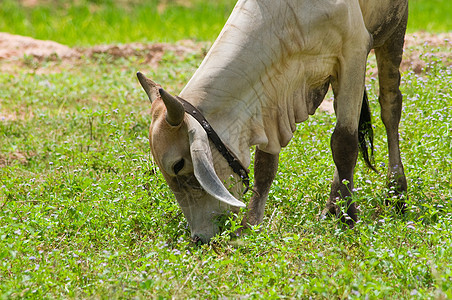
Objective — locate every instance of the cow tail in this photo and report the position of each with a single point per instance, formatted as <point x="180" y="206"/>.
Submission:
<point x="366" y="133"/>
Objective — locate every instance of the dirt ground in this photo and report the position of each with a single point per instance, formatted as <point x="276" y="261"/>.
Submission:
<point x="14" y="48"/>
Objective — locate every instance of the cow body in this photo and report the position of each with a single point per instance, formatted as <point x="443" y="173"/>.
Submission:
<point x="269" y="69"/>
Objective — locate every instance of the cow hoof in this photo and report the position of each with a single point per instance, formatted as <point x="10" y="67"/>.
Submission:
<point x="396" y="195"/>
<point x="325" y="214"/>
<point x="398" y="204"/>
<point x="240" y="232"/>
<point x="397" y="200"/>
<point x="330" y="210"/>
<point x="347" y="222"/>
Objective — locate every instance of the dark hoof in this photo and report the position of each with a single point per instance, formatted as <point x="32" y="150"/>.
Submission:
<point x="347" y="222"/>
<point x="330" y="210"/>
<point x="397" y="202"/>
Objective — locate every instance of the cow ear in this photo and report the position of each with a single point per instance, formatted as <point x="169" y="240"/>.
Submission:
<point x="174" y="110"/>
<point x="203" y="165"/>
<point x="150" y="87"/>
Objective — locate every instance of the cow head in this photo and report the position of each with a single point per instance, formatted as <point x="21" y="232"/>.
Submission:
<point x="181" y="149"/>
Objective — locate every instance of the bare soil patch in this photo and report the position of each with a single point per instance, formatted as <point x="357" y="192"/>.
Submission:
<point x="418" y="48"/>
<point x="14" y="48"/>
<point x="10" y="158"/>
<point x="152" y="53"/>
<point x="422" y="47"/>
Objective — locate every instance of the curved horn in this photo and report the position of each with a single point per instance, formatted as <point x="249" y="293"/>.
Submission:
<point x="174" y="110"/>
<point x="203" y="166"/>
<point x="149" y="86"/>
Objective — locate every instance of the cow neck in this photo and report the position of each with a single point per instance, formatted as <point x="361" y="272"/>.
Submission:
<point x="230" y="157"/>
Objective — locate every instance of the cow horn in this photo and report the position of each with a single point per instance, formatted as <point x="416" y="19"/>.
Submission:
<point x="149" y="86"/>
<point x="203" y="166"/>
<point x="174" y="109"/>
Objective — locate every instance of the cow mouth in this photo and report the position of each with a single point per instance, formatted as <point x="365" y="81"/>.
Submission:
<point x="188" y="182"/>
<point x="187" y="190"/>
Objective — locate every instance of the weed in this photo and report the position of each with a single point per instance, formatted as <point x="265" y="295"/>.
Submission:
<point x="84" y="212"/>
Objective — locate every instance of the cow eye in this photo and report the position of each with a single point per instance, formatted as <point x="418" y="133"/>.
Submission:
<point x="179" y="166"/>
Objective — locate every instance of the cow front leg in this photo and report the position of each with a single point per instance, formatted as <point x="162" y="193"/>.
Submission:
<point x="344" y="146"/>
<point x="348" y="88"/>
<point x="265" y="168"/>
<point x="389" y="57"/>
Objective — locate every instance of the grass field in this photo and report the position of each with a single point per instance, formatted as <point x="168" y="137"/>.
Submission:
<point x="84" y="22"/>
<point x="85" y="213"/>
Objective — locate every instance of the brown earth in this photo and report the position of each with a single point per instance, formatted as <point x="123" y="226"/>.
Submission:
<point x="421" y="47"/>
<point x="13" y="48"/>
<point x="7" y="159"/>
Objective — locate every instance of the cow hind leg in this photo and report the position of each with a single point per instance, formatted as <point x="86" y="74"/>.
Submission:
<point x="389" y="57"/>
<point x="265" y="167"/>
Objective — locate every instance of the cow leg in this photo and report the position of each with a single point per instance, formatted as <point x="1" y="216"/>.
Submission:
<point x="389" y="57"/>
<point x="348" y="91"/>
<point x="265" y="167"/>
<point x="344" y="145"/>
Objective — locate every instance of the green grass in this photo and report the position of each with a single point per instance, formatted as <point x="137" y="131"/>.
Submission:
<point x="430" y="16"/>
<point x="84" y="23"/>
<point x="85" y="213"/>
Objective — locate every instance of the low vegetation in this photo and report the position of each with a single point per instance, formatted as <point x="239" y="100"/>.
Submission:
<point x="85" y="213"/>
<point x="91" y="22"/>
<point x="82" y="23"/>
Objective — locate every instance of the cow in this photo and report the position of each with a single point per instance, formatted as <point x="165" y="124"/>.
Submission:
<point x="269" y="69"/>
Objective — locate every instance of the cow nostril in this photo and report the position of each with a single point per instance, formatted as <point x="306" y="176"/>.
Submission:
<point x="178" y="166"/>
